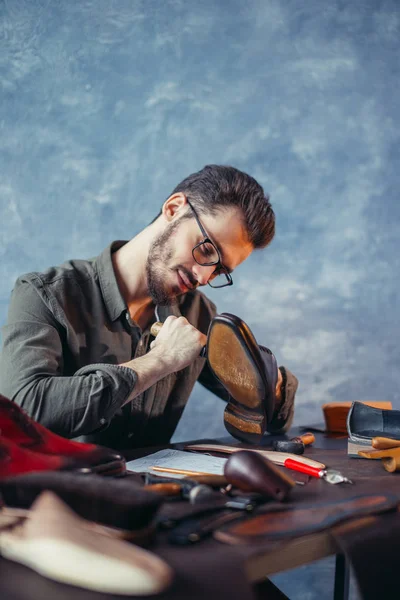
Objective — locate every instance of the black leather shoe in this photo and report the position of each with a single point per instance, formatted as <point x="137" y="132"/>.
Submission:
<point x="247" y="371"/>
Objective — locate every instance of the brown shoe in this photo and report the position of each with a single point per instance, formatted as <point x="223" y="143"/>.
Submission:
<point x="247" y="371"/>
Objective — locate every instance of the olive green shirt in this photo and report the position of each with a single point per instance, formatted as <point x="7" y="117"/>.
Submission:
<point x="67" y="333"/>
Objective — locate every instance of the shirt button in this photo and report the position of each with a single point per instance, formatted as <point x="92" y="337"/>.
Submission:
<point x="103" y="421"/>
<point x="130" y="435"/>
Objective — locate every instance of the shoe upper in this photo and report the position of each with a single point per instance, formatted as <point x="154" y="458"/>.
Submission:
<point x="18" y="427"/>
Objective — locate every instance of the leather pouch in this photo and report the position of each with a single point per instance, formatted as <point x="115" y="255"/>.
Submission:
<point x="295" y="521"/>
<point x="365" y="422"/>
<point x="120" y="503"/>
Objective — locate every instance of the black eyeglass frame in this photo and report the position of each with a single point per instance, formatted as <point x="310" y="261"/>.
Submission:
<point x="216" y="262"/>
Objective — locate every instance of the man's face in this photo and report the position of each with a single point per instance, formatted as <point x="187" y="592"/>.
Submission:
<point x="171" y="269"/>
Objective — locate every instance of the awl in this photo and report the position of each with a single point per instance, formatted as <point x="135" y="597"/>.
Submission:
<point x="330" y="475"/>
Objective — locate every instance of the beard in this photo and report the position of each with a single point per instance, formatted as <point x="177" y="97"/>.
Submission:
<point x="157" y="271"/>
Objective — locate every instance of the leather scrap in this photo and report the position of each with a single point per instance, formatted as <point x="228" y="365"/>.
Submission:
<point x="391" y="464"/>
<point x="373" y="551"/>
<point x="296" y="521"/>
<point x="389" y="452"/>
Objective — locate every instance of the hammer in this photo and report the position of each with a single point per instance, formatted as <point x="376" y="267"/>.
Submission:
<point x="295" y="445"/>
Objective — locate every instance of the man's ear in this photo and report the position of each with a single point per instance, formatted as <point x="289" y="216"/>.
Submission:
<point x="174" y="206"/>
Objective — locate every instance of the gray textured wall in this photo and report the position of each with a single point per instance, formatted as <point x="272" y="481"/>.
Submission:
<point x="106" y="105"/>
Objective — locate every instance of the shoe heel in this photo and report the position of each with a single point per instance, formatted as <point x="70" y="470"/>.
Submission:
<point x="242" y="425"/>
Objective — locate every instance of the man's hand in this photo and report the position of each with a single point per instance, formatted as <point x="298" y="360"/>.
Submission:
<point x="178" y="343"/>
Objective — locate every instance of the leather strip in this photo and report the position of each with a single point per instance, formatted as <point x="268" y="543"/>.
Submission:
<point x="296" y="521"/>
<point x="278" y="458"/>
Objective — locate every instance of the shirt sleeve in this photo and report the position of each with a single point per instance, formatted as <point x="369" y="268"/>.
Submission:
<point x="31" y="372"/>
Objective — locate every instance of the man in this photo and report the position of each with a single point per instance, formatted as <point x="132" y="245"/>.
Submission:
<point x="77" y="351"/>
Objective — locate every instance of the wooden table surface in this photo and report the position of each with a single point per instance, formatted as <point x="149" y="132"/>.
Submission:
<point x="368" y="477"/>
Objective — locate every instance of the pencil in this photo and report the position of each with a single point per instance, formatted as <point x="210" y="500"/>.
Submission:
<point x="179" y="471"/>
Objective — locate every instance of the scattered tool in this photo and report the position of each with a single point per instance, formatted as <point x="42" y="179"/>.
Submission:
<point x="195" y="528"/>
<point x="185" y="488"/>
<point x="278" y="458"/>
<point x="165" y="488"/>
<point x="197" y="493"/>
<point x="295" y="445"/>
<point x="330" y="475"/>
<point x="214" y="481"/>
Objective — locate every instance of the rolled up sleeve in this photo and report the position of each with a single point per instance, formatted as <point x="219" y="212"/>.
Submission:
<point x="32" y="372"/>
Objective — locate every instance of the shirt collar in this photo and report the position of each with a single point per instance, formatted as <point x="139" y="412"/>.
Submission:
<point x="115" y="304"/>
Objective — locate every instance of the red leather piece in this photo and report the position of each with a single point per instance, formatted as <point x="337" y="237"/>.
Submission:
<point x="15" y="460"/>
<point x="18" y="427"/>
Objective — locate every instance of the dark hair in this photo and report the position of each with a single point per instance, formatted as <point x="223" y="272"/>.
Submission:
<point x="216" y="187"/>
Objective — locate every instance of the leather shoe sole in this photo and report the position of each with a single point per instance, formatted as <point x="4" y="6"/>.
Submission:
<point x="248" y="373"/>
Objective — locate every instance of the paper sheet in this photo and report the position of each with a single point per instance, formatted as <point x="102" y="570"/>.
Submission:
<point x="178" y="459"/>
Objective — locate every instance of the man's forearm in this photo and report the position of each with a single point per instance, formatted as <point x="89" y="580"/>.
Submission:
<point x="149" y="369"/>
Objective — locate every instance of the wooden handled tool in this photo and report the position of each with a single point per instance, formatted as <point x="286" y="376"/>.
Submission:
<point x="156" y="328"/>
<point x="296" y="445"/>
<point x="165" y="489"/>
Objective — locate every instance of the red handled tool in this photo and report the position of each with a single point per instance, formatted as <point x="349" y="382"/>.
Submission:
<point x="330" y="475"/>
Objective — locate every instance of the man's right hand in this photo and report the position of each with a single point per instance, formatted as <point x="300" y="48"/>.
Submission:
<point x="178" y="343"/>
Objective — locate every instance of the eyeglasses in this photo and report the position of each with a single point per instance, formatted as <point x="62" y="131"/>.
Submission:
<point x="206" y="254"/>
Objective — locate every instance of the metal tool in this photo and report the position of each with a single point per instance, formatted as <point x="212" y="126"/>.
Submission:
<point x="330" y="475"/>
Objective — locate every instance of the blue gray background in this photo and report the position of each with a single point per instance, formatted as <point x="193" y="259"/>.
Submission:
<point x="106" y="105"/>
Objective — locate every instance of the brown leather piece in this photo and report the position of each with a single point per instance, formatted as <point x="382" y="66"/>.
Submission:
<point x="384" y="443"/>
<point x="116" y="502"/>
<point x="392" y="463"/>
<point x="374" y="454"/>
<point x="295" y="521"/>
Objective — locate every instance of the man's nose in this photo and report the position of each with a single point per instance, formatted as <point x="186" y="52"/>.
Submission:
<point x="203" y="273"/>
